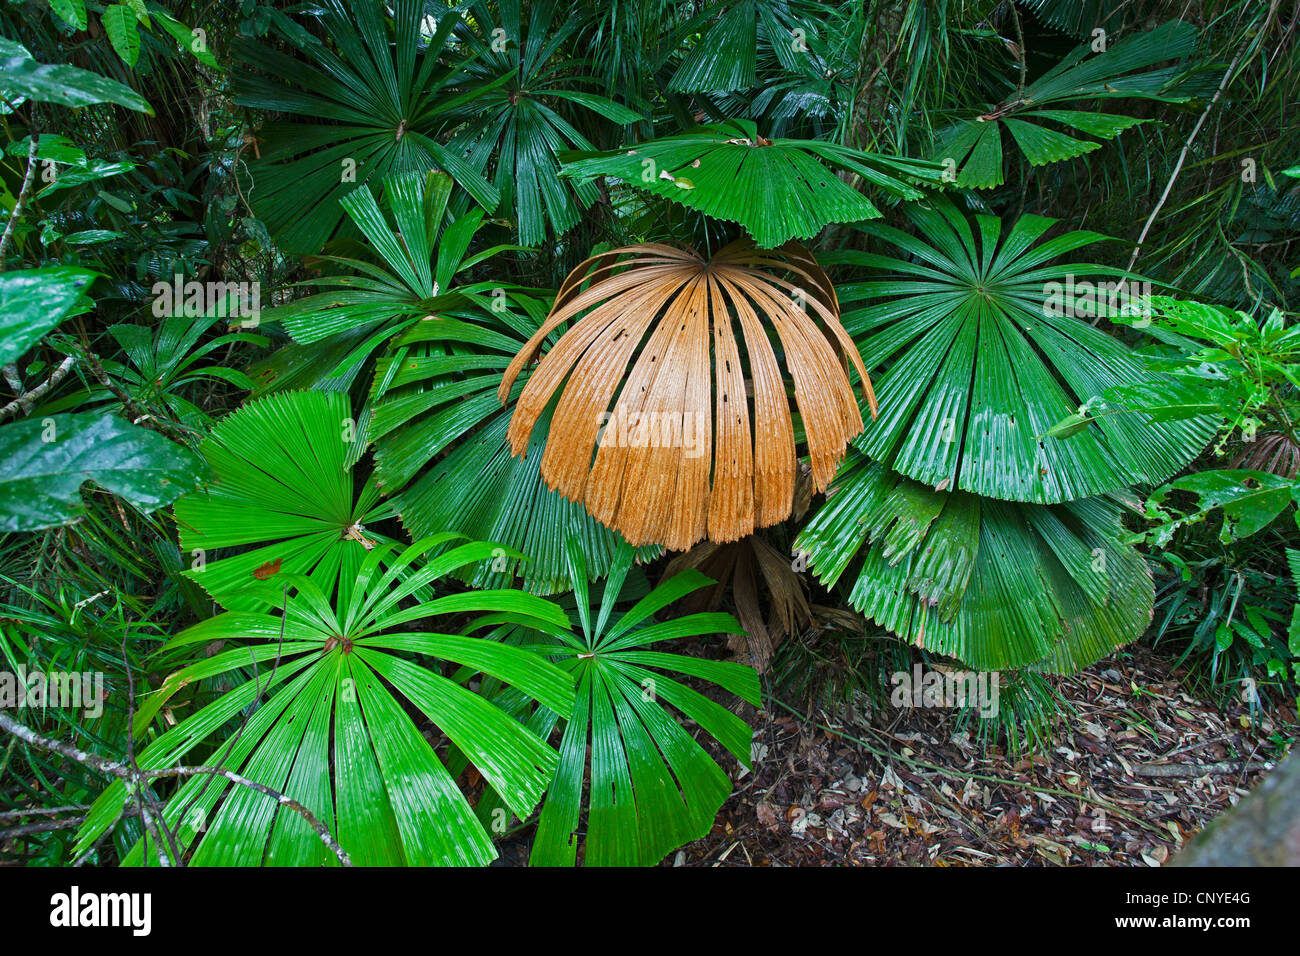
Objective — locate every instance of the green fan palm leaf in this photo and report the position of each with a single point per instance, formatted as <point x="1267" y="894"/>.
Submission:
<point x="373" y="102"/>
<point x="981" y="362"/>
<point x="995" y="584"/>
<point x="335" y="732"/>
<point x="515" y="129"/>
<point x="778" y="189"/>
<point x="283" y="493"/>
<point x="650" y="785"/>
<point x="725" y="56"/>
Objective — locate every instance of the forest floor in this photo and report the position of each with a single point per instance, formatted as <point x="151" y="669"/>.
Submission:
<point x="1138" y="767"/>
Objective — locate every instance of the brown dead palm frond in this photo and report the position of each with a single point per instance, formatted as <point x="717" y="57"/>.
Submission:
<point x="652" y="380"/>
<point x="767" y="614"/>
<point x="1274" y="453"/>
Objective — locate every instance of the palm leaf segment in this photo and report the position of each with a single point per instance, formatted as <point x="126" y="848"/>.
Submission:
<point x="726" y="57"/>
<point x="372" y="104"/>
<point x="335" y="731"/>
<point x="652" y="787"/>
<point x="979" y="368"/>
<point x="514" y="130"/>
<point x="684" y="453"/>
<point x="282" y="490"/>
<point x="777" y="189"/>
<point x="975" y="144"/>
<point x="995" y="584"/>
<point x="420" y="250"/>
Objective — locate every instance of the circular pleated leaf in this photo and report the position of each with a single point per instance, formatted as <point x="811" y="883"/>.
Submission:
<point x="778" y="189"/>
<point x="371" y="103"/>
<point x="982" y="358"/>
<point x="995" y="584"/>
<point x="342" y="682"/>
<point x="282" y="493"/>
<point x="689" y="436"/>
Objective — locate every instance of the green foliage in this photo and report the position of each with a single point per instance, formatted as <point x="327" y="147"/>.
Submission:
<point x="371" y="105"/>
<point x="331" y="733"/>
<point x="976" y="144"/>
<point x="777" y="189"/>
<point x="1242" y="370"/>
<point x="45" y="462"/>
<point x="22" y="76"/>
<point x="162" y="371"/>
<point x="725" y="55"/>
<point x="1220" y="528"/>
<point x="515" y="129"/>
<point x="652" y="786"/>
<point x="403" y="181"/>
<point x="438" y="428"/>
<point x="1249" y="501"/>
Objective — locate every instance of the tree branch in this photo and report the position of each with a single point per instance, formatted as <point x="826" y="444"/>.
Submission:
<point x="23" y="403"/>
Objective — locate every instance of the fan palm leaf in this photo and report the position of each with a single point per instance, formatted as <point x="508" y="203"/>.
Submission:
<point x="515" y="129"/>
<point x="371" y="103"/>
<point x="283" y="493"/>
<point x="980" y="365"/>
<point x="995" y="584"/>
<point x="725" y="57"/>
<point x="778" y="189"/>
<point x="652" y="786"/>
<point x="643" y="345"/>
<point x="335" y="731"/>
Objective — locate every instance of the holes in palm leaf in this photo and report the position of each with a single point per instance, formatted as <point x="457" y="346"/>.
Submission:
<point x="653" y="340"/>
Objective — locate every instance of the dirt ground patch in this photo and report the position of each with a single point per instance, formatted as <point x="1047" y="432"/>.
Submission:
<point x="1135" y="771"/>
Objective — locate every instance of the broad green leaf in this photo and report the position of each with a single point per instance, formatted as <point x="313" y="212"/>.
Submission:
<point x="71" y="12"/>
<point x="1122" y="69"/>
<point x="513" y="130"/>
<point x="187" y="39"/>
<point x="371" y="105"/>
<point x="283" y="493"/>
<point x="1249" y="500"/>
<point x="33" y="301"/>
<point x="120" y="24"/>
<point x="44" y="463"/>
<point x="20" y="75"/>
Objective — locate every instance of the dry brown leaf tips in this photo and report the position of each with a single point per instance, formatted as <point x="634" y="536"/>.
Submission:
<point x="673" y="421"/>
